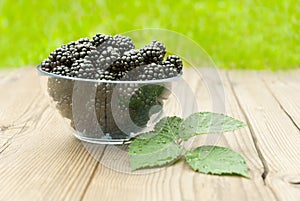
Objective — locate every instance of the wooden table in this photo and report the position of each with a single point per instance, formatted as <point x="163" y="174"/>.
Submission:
<point x="41" y="160"/>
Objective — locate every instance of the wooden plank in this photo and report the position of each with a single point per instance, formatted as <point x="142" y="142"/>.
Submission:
<point x="240" y="140"/>
<point x="277" y="138"/>
<point x="39" y="159"/>
<point x="286" y="90"/>
<point x="179" y="182"/>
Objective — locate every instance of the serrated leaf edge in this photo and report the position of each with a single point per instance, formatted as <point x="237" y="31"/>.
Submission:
<point x="185" y="138"/>
<point x="168" y="163"/>
<point x="246" y="175"/>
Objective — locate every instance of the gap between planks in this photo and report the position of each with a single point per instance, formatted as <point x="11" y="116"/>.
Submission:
<point x="276" y="133"/>
<point x="286" y="91"/>
<point x="254" y="138"/>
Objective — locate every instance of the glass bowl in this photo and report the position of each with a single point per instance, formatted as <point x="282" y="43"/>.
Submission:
<point x="107" y="112"/>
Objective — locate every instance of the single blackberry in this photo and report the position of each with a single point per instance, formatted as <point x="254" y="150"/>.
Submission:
<point x="60" y="90"/>
<point x="159" y="45"/>
<point x="86" y="69"/>
<point x="107" y="57"/>
<point x="61" y="59"/>
<point x="98" y="39"/>
<point x="81" y="51"/>
<point x="145" y="99"/>
<point x="109" y="50"/>
<point x="176" y="61"/>
<point x="151" y="55"/>
<point x="109" y="75"/>
<point x="107" y="43"/>
<point x="80" y="48"/>
<point x="133" y="104"/>
<point x="46" y="65"/>
<point x="152" y="71"/>
<point x="132" y="59"/>
<point x="83" y="41"/>
<point x="75" y="67"/>
<point x="61" y="70"/>
<point x="93" y="57"/>
<point x="129" y="61"/>
<point x="124" y="43"/>
<point x="153" y="52"/>
<point x="169" y="69"/>
<point x="83" y="68"/>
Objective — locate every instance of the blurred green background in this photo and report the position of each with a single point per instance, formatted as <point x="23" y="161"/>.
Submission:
<point x="244" y="34"/>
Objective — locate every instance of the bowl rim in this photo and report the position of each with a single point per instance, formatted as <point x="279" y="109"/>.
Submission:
<point x="44" y="73"/>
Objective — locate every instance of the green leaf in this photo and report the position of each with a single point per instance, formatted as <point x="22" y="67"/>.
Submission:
<point x="217" y="160"/>
<point x="207" y="122"/>
<point x="169" y="126"/>
<point x="153" y="149"/>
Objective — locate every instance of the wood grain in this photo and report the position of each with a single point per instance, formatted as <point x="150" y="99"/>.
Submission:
<point x="286" y="91"/>
<point x="276" y="136"/>
<point x="179" y="182"/>
<point x="41" y="160"/>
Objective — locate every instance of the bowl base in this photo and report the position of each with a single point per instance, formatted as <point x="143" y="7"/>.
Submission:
<point x="102" y="141"/>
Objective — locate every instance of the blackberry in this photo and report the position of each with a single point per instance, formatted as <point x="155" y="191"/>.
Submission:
<point x="60" y="90"/>
<point x="107" y="57"/>
<point x="46" y="65"/>
<point x="151" y="55"/>
<point x="143" y="101"/>
<point x="61" y="59"/>
<point x="109" y="50"/>
<point x="86" y="69"/>
<point x="129" y="61"/>
<point x="109" y="75"/>
<point x="98" y="39"/>
<point x="124" y="43"/>
<point x="134" y="104"/>
<point x="159" y="45"/>
<point x="61" y="70"/>
<point x="153" y="52"/>
<point x="93" y="57"/>
<point x="152" y="71"/>
<point x="176" y="61"/>
<point x="169" y="69"/>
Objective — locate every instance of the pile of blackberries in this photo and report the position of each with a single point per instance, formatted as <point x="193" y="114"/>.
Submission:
<point x="112" y="58"/>
<point x="112" y="106"/>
